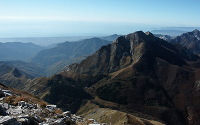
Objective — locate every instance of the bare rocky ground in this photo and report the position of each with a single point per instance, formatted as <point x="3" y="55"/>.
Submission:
<point x="16" y="109"/>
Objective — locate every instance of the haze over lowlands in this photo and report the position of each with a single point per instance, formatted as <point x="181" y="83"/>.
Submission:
<point x="100" y="62"/>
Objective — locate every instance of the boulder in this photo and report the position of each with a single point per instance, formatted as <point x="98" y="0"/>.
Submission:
<point x="35" y="117"/>
<point x="67" y="113"/>
<point x="51" y="107"/>
<point x="60" y="121"/>
<point x="26" y="120"/>
<point x="21" y="103"/>
<point x="7" y="120"/>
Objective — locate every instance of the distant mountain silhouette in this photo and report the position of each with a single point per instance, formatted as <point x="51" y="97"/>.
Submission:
<point x="53" y="60"/>
<point x="170" y="32"/>
<point x="68" y="50"/>
<point x="111" y="37"/>
<point x="190" y="40"/>
<point x="17" y="50"/>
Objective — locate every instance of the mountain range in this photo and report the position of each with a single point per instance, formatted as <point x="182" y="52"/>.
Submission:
<point x="18" y="51"/>
<point x="40" y="61"/>
<point x="68" y="50"/>
<point x="190" y="40"/>
<point x="136" y="73"/>
<point x="111" y="37"/>
<point x="144" y="73"/>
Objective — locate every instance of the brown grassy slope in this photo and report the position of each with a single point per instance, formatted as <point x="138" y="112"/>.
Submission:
<point x="22" y="95"/>
<point x="105" y="115"/>
<point x="65" y="92"/>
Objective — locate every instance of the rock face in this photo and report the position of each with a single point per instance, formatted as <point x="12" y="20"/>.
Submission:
<point x="146" y="74"/>
<point x="190" y="40"/>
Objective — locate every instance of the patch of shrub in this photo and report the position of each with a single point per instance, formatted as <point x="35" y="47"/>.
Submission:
<point x="109" y="91"/>
<point x="94" y="79"/>
<point x="42" y="105"/>
<point x="9" y="99"/>
<point x="134" y="82"/>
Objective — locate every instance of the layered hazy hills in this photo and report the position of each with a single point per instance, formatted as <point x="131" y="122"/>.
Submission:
<point x="111" y="37"/>
<point x="138" y="72"/>
<point x="68" y="50"/>
<point x="170" y="32"/>
<point x="47" y="62"/>
<point x="17" y="50"/>
<point x="191" y="40"/>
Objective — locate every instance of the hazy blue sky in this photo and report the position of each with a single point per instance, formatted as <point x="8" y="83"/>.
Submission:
<point x="28" y="18"/>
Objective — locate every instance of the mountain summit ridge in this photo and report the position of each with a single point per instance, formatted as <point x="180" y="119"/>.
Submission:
<point x="126" y="50"/>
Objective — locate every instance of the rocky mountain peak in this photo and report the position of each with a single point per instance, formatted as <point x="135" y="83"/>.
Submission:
<point x="196" y="32"/>
<point x="132" y="43"/>
<point x="136" y="37"/>
<point x="150" y="34"/>
<point x="16" y="72"/>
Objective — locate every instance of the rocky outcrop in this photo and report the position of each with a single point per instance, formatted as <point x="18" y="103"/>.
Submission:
<point x="34" y="114"/>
